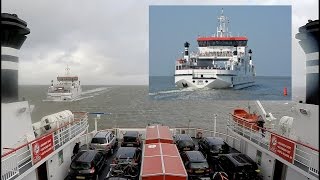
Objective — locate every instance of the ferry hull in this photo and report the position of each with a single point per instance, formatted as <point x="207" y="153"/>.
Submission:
<point x="219" y="82"/>
<point x="61" y="97"/>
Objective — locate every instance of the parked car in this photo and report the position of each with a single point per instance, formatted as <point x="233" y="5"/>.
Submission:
<point x="238" y="166"/>
<point x="212" y="146"/>
<point x="104" y="141"/>
<point x="195" y="164"/>
<point x="127" y="155"/>
<point x="117" y="178"/>
<point x="184" y="142"/>
<point x="131" y="138"/>
<point x="87" y="164"/>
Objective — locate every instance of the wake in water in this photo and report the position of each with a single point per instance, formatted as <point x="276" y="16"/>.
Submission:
<point x="92" y="93"/>
<point x="188" y="89"/>
<point x="95" y="90"/>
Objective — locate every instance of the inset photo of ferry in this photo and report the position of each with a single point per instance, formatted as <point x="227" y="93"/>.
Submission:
<point x="220" y="52"/>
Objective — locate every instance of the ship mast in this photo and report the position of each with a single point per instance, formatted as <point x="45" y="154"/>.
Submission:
<point x="222" y="29"/>
<point x="67" y="71"/>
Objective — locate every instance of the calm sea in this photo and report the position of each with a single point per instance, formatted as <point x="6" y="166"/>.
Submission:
<point x="131" y="106"/>
<point x="265" y="88"/>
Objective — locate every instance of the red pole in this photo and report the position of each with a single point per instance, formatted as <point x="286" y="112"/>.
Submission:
<point x="285" y="92"/>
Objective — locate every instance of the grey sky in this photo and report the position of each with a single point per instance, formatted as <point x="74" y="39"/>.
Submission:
<point x="106" y="41"/>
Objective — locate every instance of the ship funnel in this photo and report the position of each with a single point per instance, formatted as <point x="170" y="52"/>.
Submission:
<point x="308" y="36"/>
<point x="186" y="51"/>
<point x="13" y="35"/>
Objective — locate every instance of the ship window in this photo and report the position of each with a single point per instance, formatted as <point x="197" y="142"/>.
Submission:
<point x="258" y="157"/>
<point x="60" y="156"/>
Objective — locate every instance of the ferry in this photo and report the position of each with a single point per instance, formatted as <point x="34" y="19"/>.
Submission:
<point x="67" y="88"/>
<point x="288" y="150"/>
<point x="222" y="61"/>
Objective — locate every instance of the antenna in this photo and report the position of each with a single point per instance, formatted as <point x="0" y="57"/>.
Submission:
<point x="222" y="29"/>
<point x="67" y="70"/>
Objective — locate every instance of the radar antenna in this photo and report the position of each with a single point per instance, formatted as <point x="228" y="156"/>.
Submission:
<point x="222" y="29"/>
<point x="67" y="71"/>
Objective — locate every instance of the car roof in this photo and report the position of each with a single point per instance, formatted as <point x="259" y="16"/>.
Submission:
<point x="101" y="134"/>
<point x="239" y="159"/>
<point x="183" y="136"/>
<point x="195" y="156"/>
<point x="131" y="133"/>
<point x="117" y="178"/>
<point x="126" y="152"/>
<point x="85" y="156"/>
<point x="214" y="140"/>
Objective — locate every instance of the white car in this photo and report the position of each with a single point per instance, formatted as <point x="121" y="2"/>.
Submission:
<point x="104" y="141"/>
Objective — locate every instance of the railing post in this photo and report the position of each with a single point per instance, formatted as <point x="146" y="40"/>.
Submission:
<point x="189" y="127"/>
<point x="215" y="125"/>
<point x="95" y="125"/>
<point x="250" y="132"/>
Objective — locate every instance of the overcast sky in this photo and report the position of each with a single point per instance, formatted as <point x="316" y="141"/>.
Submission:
<point x="268" y="29"/>
<point x="106" y="41"/>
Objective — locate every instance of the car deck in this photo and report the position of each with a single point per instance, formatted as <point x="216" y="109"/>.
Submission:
<point x="104" y="172"/>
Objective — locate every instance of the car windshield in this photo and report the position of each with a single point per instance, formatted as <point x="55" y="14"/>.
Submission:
<point x="98" y="140"/>
<point x="124" y="153"/>
<point x="186" y="143"/>
<point x="80" y="165"/>
<point x="246" y="168"/>
<point x="199" y="165"/>
<point x="129" y="139"/>
<point x="216" y="147"/>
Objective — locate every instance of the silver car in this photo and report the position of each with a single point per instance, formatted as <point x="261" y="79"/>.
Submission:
<point x="104" y="141"/>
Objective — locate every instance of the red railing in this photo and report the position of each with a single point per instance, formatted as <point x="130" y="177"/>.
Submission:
<point x="36" y="139"/>
<point x="19" y="159"/>
<point x="267" y="130"/>
<point x="301" y="155"/>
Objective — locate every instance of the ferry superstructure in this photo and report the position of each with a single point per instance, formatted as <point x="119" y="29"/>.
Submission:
<point x="43" y="150"/>
<point x="222" y="61"/>
<point x="67" y="88"/>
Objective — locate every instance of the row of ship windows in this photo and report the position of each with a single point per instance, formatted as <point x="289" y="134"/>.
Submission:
<point x="221" y="43"/>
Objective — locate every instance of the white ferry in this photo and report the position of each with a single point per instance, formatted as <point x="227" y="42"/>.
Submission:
<point x="67" y="88"/>
<point x="222" y="61"/>
<point x="43" y="150"/>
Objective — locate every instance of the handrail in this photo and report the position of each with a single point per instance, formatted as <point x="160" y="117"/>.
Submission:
<point x="20" y="160"/>
<point x="43" y="135"/>
<point x="304" y="157"/>
<point x="297" y="142"/>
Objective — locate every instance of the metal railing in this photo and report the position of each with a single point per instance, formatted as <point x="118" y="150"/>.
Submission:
<point x="305" y="157"/>
<point x="19" y="159"/>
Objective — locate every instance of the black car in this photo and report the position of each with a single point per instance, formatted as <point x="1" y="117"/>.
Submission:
<point x="87" y="165"/>
<point x="118" y="178"/>
<point x="238" y="166"/>
<point x="131" y="138"/>
<point x="195" y="164"/>
<point x="212" y="146"/>
<point x="184" y="142"/>
<point x="127" y="155"/>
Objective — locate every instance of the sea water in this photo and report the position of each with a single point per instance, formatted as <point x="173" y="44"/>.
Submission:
<point x="131" y="106"/>
<point x="265" y="88"/>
